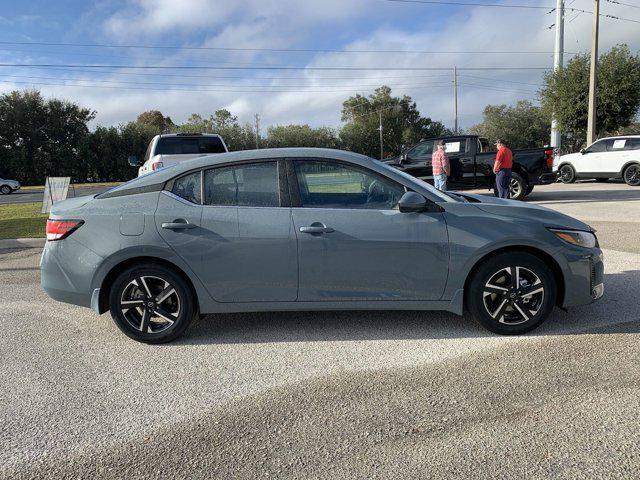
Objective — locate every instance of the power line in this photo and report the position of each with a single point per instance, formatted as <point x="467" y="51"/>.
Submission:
<point x="284" y="68"/>
<point x="625" y="4"/>
<point x="502" y="80"/>
<point x="256" y="49"/>
<point x="502" y="5"/>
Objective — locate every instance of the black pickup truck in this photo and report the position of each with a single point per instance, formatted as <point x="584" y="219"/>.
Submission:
<point x="471" y="159"/>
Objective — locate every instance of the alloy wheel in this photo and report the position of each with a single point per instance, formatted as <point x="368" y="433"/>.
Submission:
<point x="513" y="295"/>
<point x="632" y="175"/>
<point x="150" y="304"/>
<point x="5" y="190"/>
<point x="566" y="174"/>
<point x="516" y="188"/>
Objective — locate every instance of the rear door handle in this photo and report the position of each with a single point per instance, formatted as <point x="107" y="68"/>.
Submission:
<point x="317" y="228"/>
<point x="178" y="224"/>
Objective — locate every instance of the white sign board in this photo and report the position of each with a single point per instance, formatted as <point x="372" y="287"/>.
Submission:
<point x="452" y="147"/>
<point x="619" y="143"/>
<point x="55" y="190"/>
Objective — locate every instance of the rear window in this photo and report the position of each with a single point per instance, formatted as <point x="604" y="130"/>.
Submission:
<point x="189" y="145"/>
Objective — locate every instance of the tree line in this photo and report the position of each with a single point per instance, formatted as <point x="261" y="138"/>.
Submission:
<point x="51" y="137"/>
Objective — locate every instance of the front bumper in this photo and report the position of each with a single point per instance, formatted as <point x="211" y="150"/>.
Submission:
<point x="584" y="282"/>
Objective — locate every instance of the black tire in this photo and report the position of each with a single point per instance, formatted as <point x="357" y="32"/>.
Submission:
<point x="165" y="319"/>
<point x="518" y="187"/>
<point x="631" y="175"/>
<point x="499" y="310"/>
<point x="5" y="190"/>
<point x="602" y="180"/>
<point x="567" y="174"/>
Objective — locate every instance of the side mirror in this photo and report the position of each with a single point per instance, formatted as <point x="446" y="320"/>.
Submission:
<point x="133" y="161"/>
<point x="403" y="158"/>
<point x="412" y="202"/>
<point x="583" y="151"/>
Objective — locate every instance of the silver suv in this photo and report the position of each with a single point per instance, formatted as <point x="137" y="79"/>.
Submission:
<point x="8" y="186"/>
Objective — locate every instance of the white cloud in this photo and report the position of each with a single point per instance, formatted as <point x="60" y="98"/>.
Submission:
<point x="287" y="23"/>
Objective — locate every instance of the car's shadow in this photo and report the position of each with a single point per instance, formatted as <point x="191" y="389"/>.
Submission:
<point x="617" y="312"/>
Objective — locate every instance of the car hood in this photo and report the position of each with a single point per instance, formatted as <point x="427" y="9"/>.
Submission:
<point x="570" y="157"/>
<point x="519" y="210"/>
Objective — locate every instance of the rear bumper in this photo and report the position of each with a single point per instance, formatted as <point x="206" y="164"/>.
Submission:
<point x="547" y="178"/>
<point x="66" y="270"/>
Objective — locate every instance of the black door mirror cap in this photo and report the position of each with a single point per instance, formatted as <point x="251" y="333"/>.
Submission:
<point x="412" y="202"/>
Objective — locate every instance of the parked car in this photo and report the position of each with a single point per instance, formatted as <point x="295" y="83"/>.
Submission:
<point x="611" y="157"/>
<point x="472" y="160"/>
<point x="167" y="149"/>
<point x="310" y="229"/>
<point x="8" y="186"/>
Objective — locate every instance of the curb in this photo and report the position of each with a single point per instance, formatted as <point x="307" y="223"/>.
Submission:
<point x="22" y="243"/>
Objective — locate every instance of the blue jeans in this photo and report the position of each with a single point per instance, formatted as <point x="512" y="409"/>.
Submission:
<point x="503" y="179"/>
<point x="440" y="181"/>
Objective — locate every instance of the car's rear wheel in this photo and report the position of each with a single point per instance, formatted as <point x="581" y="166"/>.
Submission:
<point x="632" y="175"/>
<point x="5" y="190"/>
<point x="150" y="303"/>
<point x="512" y="293"/>
<point x="567" y="174"/>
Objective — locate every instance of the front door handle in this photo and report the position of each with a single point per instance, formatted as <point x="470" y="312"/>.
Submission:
<point x="466" y="160"/>
<point x="317" y="228"/>
<point x="178" y="224"/>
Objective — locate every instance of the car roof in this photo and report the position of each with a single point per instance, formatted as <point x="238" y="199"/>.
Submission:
<point x="618" y="137"/>
<point x="165" y="174"/>
<point x="187" y="135"/>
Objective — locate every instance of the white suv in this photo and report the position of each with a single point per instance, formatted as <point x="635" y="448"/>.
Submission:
<point x="167" y="149"/>
<point x="612" y="157"/>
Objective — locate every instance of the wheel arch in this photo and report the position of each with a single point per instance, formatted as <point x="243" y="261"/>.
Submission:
<point x="107" y="282"/>
<point x="541" y="254"/>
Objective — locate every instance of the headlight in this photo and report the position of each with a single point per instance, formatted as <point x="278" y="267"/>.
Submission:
<point x="576" y="237"/>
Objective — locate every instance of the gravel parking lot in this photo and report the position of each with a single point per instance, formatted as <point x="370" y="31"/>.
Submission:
<point x="330" y="395"/>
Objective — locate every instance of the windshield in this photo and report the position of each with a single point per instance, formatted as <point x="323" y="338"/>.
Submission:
<point x="444" y="196"/>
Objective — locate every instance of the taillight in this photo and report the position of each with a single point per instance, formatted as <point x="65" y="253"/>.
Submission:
<point x="59" y="229"/>
<point x="549" y="154"/>
<point x="156" y="165"/>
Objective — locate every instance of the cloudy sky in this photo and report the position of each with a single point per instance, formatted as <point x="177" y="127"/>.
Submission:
<point x="290" y="61"/>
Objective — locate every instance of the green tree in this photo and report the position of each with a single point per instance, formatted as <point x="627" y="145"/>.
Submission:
<point x="301" y="136"/>
<point x="402" y="124"/>
<point x="156" y="122"/>
<point x="222" y="122"/>
<point x="566" y="92"/>
<point x="522" y="126"/>
<point x="39" y="137"/>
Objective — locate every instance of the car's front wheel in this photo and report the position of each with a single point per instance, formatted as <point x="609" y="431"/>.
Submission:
<point x="512" y="293"/>
<point x="150" y="303"/>
<point x="5" y="190"/>
<point x="567" y="174"/>
<point x="632" y="175"/>
<point x="518" y="187"/>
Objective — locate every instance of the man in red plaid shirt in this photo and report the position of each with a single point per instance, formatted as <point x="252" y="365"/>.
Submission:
<point x="440" y="166"/>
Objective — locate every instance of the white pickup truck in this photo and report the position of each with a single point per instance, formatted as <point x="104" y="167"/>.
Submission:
<point x="167" y="149"/>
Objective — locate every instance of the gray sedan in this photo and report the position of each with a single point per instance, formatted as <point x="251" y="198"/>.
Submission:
<point x="310" y="229"/>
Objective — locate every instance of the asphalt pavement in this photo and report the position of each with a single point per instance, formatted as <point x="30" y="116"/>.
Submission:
<point x="28" y="196"/>
<point x="334" y="394"/>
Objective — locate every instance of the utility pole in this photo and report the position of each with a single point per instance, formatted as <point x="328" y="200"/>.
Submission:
<point x="257" y="119"/>
<point x="380" y="129"/>
<point x="556" y="138"/>
<point x="593" y="84"/>
<point x="455" y="100"/>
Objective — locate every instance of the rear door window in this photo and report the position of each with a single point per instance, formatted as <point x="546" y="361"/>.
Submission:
<point x="249" y="185"/>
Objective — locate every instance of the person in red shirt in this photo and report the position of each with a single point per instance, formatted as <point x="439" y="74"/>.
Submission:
<point x="440" y="166"/>
<point x="502" y="168"/>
